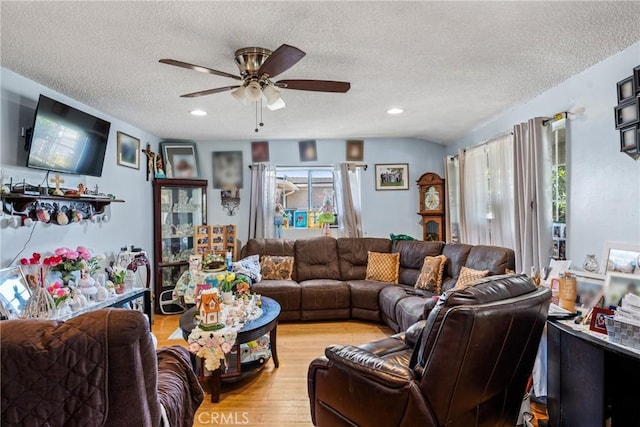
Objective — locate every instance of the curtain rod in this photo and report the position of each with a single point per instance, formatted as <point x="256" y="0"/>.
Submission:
<point x="557" y="116"/>
<point x="357" y="165"/>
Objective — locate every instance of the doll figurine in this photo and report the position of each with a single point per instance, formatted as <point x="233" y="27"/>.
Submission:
<point x="278" y="220"/>
<point x="327" y="217"/>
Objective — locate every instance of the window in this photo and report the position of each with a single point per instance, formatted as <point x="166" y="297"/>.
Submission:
<point x="559" y="189"/>
<point x="302" y="193"/>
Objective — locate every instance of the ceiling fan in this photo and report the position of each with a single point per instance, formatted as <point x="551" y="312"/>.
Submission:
<point x="257" y="67"/>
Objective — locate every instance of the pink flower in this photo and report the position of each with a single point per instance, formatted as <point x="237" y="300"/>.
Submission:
<point x="62" y="251"/>
<point x="72" y="255"/>
<point x="56" y="285"/>
<point x="61" y="293"/>
<point x="226" y="347"/>
<point x="194" y="347"/>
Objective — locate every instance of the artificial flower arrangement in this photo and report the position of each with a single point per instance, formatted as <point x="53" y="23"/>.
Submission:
<point x="59" y="293"/>
<point x="116" y="275"/>
<point x="232" y="282"/>
<point x="71" y="261"/>
<point x="36" y="272"/>
<point x="211" y="346"/>
<point x="212" y="261"/>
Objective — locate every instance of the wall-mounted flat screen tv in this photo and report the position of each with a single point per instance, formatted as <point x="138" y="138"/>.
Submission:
<point x="67" y="140"/>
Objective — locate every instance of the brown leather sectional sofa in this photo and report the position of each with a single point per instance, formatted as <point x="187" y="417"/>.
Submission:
<point x="328" y="280"/>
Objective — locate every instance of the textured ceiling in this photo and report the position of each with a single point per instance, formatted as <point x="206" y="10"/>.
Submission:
<point x="450" y="65"/>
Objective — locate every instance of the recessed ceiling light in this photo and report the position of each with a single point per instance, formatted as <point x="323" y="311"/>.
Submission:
<point x="198" y="112"/>
<point x="395" y="110"/>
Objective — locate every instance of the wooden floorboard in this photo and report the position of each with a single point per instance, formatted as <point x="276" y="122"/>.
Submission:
<point x="276" y="397"/>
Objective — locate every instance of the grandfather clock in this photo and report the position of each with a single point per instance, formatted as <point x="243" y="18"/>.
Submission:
<point x="432" y="209"/>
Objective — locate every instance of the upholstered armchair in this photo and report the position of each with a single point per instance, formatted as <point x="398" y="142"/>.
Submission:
<point x="467" y="364"/>
<point x="98" y="369"/>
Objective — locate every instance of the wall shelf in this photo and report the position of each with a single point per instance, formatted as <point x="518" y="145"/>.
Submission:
<point x="27" y="205"/>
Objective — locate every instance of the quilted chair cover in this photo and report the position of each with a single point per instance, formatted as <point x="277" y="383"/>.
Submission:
<point x="98" y="369"/>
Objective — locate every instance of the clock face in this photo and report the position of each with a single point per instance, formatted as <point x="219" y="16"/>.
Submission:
<point x="432" y="199"/>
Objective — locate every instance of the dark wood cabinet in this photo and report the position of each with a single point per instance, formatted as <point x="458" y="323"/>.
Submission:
<point x="432" y="206"/>
<point x="179" y="205"/>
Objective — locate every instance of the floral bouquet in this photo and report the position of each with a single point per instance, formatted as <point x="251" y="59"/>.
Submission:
<point x="71" y="261"/>
<point x="211" y="346"/>
<point x="36" y="272"/>
<point x="226" y="281"/>
<point x="59" y="293"/>
<point x="116" y="275"/>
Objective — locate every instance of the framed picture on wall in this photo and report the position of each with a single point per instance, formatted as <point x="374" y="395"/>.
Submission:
<point x="629" y="138"/>
<point x="627" y="114"/>
<point x="392" y="176"/>
<point x="626" y="90"/>
<point x="128" y="151"/>
<point x="260" y="151"/>
<point x="636" y="79"/>
<point x="181" y="159"/>
<point x="355" y="151"/>
<point x="227" y="169"/>
<point x="308" y="151"/>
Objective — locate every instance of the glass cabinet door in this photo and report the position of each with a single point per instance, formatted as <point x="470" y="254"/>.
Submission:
<point x="181" y="211"/>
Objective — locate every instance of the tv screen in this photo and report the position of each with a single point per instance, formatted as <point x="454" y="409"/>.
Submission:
<point x="67" y="140"/>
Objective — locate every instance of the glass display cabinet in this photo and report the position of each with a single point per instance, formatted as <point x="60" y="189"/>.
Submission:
<point x="178" y="206"/>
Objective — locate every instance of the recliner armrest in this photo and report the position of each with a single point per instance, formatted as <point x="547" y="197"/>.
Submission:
<point x="366" y="364"/>
<point x="413" y="333"/>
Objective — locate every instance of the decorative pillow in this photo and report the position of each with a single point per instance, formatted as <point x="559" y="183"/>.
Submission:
<point x="276" y="267"/>
<point x="249" y="266"/>
<point x="468" y="276"/>
<point x="383" y="267"/>
<point x="432" y="274"/>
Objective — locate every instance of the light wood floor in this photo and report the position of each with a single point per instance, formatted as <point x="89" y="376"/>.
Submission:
<point x="276" y="397"/>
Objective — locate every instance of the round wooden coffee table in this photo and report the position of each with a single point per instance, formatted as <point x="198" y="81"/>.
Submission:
<point x="251" y="331"/>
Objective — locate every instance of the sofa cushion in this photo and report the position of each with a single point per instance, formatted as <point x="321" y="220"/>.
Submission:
<point x="456" y="254"/>
<point x="276" y="267"/>
<point x="383" y="267"/>
<point x="353" y="254"/>
<point x="366" y="293"/>
<point x="468" y="276"/>
<point x="410" y="310"/>
<point x="412" y="254"/>
<point x="324" y="294"/>
<point x="431" y="274"/>
<point x="493" y="258"/>
<point x="277" y="247"/>
<point x="317" y="259"/>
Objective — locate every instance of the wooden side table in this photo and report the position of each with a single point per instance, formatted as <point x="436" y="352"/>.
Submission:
<point x="251" y="331"/>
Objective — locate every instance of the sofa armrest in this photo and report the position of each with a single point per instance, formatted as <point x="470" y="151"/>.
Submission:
<point x="413" y="333"/>
<point x="368" y="365"/>
<point x="428" y="306"/>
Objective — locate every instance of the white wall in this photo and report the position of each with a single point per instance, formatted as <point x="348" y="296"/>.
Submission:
<point x="604" y="184"/>
<point x="384" y="212"/>
<point x="130" y="222"/>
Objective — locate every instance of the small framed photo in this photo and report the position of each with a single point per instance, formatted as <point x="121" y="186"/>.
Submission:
<point x="308" y="151"/>
<point x="617" y="285"/>
<point x="355" y="151"/>
<point x="621" y="258"/>
<point x="128" y="151"/>
<point x="626" y="90"/>
<point x="392" y="176"/>
<point x="181" y="159"/>
<point x="300" y="219"/>
<point x="14" y="292"/>
<point x="627" y="114"/>
<point x="629" y="138"/>
<point x="227" y="170"/>
<point x="260" y="151"/>
<point x="598" y="323"/>
<point x="636" y="79"/>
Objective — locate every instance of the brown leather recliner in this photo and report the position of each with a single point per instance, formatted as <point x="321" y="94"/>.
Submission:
<point x="465" y="365"/>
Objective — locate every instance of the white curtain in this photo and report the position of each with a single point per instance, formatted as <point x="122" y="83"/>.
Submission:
<point x="533" y="194"/>
<point x="346" y="182"/>
<point x="501" y="191"/>
<point x="263" y="201"/>
<point x="474" y="209"/>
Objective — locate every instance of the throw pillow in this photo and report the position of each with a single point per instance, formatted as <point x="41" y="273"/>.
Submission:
<point x="276" y="267"/>
<point x="432" y="274"/>
<point x="468" y="276"/>
<point x="249" y="266"/>
<point x="383" y="267"/>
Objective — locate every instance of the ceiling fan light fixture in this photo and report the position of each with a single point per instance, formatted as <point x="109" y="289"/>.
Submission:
<point x="253" y="91"/>
<point x="271" y="93"/>
<point x="238" y="94"/>
<point x="279" y="104"/>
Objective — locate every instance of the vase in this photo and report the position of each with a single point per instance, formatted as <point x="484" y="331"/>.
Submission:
<point x="119" y="287"/>
<point x="227" y="297"/>
<point x="40" y="305"/>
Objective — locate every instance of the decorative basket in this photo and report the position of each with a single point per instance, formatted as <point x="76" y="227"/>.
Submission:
<point x="623" y="333"/>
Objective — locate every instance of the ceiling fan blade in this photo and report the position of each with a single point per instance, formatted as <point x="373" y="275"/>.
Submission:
<point x="208" y="91"/>
<point x="281" y="60"/>
<point x="315" y="85"/>
<point x="199" y="68"/>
